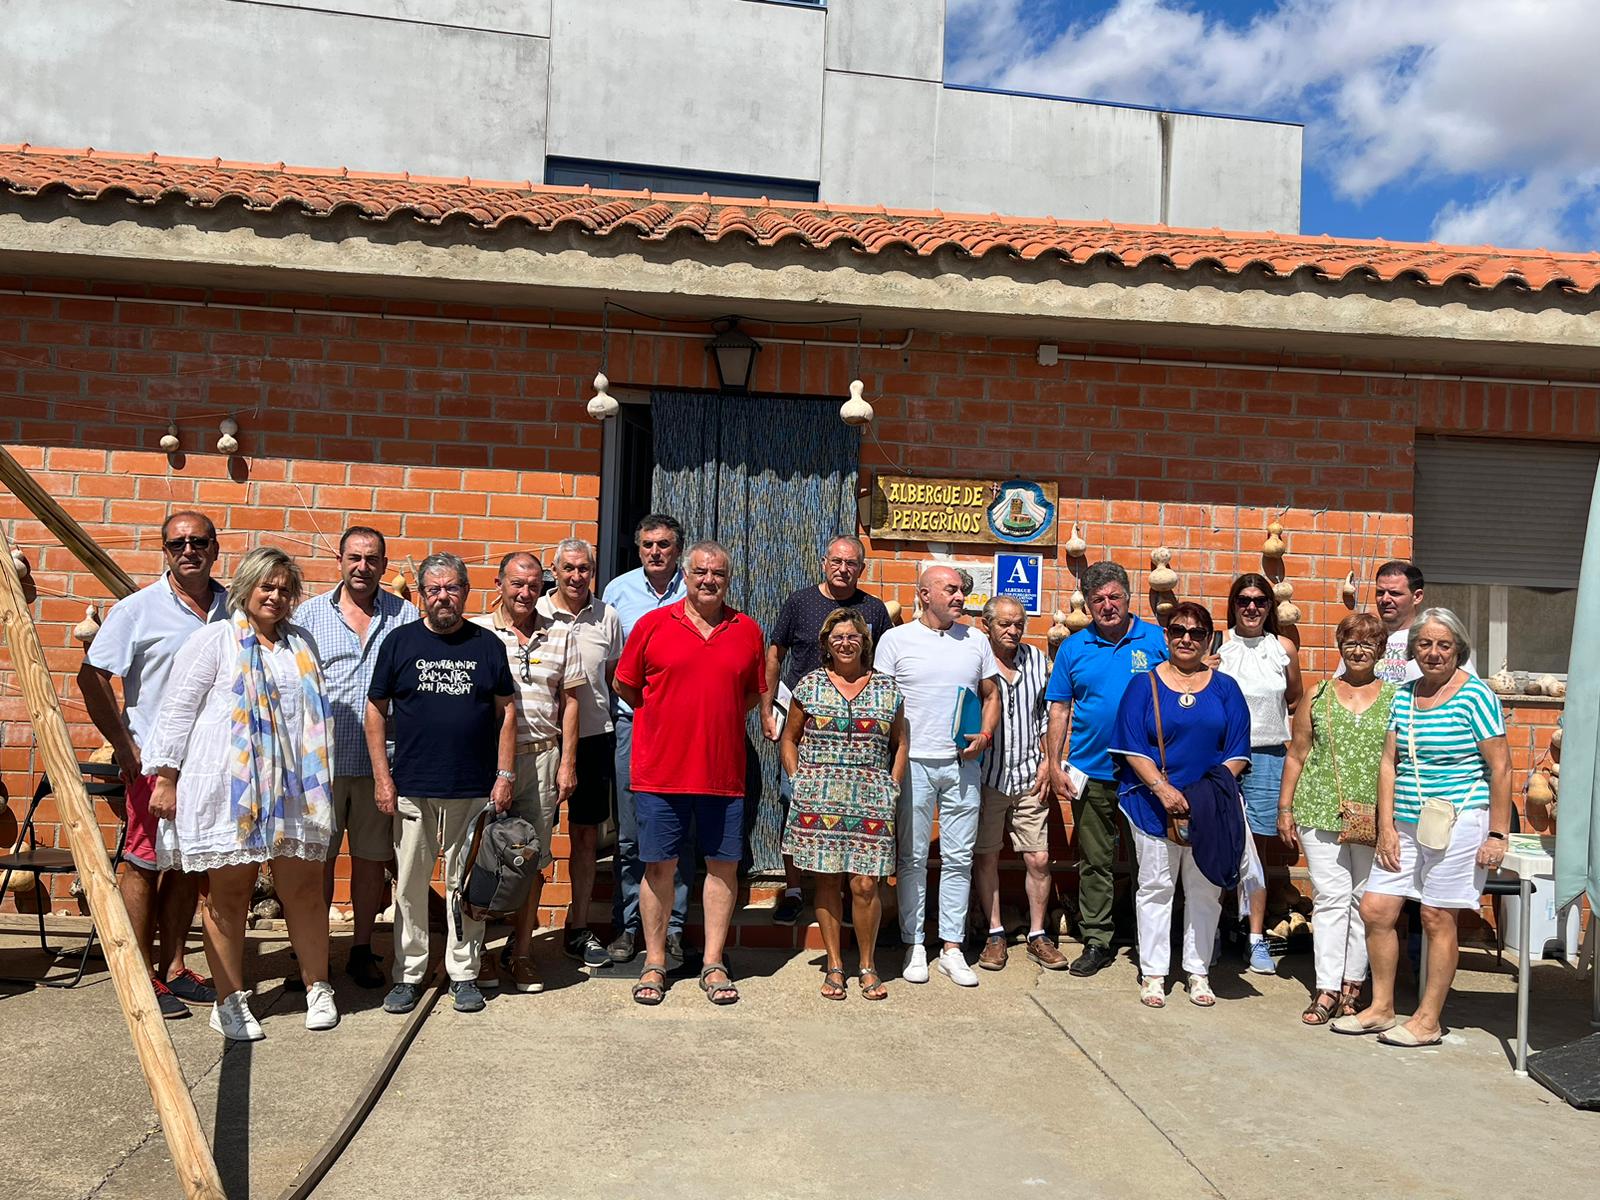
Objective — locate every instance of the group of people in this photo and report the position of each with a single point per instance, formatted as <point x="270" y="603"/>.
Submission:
<point x="259" y="726"/>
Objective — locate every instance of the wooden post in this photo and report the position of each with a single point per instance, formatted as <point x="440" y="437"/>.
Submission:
<point x="191" y="1154"/>
<point x="59" y="522"/>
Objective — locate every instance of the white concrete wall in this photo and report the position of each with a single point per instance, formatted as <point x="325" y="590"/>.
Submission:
<point x="848" y="96"/>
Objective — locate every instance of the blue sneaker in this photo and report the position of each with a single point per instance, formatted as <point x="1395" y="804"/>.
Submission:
<point x="468" y="998"/>
<point x="1261" y="959"/>
<point x="402" y="998"/>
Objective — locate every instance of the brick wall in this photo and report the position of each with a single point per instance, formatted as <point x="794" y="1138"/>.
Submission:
<point x="451" y="427"/>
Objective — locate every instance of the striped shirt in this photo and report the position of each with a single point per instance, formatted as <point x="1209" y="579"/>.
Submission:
<point x="347" y="664"/>
<point x="541" y="668"/>
<point x="1449" y="764"/>
<point x="1011" y="765"/>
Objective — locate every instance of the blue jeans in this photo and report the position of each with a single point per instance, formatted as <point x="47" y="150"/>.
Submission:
<point x="950" y="788"/>
<point x="629" y="867"/>
<point x="1260" y="785"/>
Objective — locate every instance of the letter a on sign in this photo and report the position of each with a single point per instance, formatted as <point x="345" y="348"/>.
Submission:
<point x="1020" y="576"/>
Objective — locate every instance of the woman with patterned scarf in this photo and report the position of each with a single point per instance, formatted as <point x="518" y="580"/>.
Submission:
<point x="241" y="751"/>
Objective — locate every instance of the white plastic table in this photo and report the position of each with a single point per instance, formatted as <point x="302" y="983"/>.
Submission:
<point x="1527" y="855"/>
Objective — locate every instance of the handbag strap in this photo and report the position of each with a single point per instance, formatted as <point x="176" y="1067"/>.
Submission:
<point x="1161" y="741"/>
<point x="1411" y="744"/>
<point x="1332" y="690"/>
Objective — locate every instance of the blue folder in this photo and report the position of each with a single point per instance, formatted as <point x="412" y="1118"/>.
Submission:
<point x="968" y="717"/>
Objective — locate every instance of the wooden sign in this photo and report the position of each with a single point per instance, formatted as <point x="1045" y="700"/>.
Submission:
<point x="1013" y="512"/>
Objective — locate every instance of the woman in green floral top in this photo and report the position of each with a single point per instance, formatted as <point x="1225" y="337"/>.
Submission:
<point x="1338" y="739"/>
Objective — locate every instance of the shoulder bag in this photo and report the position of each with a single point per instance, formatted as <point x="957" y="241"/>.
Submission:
<point x="1177" y="827"/>
<point x="1358" y="824"/>
<point x="1437" y="820"/>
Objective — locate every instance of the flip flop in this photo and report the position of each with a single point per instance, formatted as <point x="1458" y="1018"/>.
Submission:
<point x="1352" y="1025"/>
<point x="1401" y="1036"/>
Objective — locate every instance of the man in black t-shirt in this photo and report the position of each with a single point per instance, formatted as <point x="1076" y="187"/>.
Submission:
<point x="448" y="684"/>
<point x="793" y="650"/>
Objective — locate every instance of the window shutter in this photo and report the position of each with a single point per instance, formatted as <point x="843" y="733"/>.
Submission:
<point x="1502" y="511"/>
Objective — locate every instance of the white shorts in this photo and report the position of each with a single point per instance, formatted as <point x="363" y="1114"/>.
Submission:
<point x="1449" y="878"/>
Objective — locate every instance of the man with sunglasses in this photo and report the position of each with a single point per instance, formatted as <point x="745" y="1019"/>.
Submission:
<point x="1091" y="671"/>
<point x="138" y="643"/>
<point x="655" y="583"/>
<point x="549" y="679"/>
<point x="795" y="652"/>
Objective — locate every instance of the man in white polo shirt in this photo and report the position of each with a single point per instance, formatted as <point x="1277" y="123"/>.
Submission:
<point x="138" y="643"/>
<point x="549" y="682"/>
<point x="932" y="659"/>
<point x="596" y="643"/>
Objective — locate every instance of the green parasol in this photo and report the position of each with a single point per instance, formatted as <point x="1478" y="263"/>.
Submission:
<point x="1577" y="827"/>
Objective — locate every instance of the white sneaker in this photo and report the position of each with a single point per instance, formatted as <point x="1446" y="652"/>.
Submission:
<point x="916" y="968"/>
<point x="954" y="964"/>
<point x="233" y="1019"/>
<point x="321" y="1011"/>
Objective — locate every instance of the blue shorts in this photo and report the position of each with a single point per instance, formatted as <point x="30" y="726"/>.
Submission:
<point x="1261" y="785"/>
<point x="664" y="826"/>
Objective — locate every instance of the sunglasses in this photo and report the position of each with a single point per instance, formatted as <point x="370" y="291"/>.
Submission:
<point x="1251" y="602"/>
<point x="1195" y="633"/>
<point x="178" y="545"/>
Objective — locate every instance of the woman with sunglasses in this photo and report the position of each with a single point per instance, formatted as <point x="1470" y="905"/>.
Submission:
<point x="1266" y="666"/>
<point x="1333" y="763"/>
<point x="1197" y="739"/>
<point x="844" y="745"/>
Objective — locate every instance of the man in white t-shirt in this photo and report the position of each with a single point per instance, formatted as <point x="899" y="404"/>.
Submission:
<point x="932" y="659"/>
<point x="1398" y="588"/>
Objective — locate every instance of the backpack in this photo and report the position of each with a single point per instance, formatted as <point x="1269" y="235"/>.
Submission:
<point x="505" y="860"/>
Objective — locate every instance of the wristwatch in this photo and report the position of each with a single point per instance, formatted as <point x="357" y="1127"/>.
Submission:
<point x="1500" y="836"/>
<point x="511" y="775"/>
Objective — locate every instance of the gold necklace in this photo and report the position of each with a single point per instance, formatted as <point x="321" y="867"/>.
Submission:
<point x="1186" y="695"/>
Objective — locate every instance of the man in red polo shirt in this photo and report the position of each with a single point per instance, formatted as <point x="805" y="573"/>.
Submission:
<point x="691" y="672"/>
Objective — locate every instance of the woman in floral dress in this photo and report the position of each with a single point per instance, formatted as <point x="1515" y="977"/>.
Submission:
<point x="844" y="746"/>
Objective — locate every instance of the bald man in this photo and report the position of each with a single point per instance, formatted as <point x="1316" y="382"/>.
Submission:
<point x="932" y="659"/>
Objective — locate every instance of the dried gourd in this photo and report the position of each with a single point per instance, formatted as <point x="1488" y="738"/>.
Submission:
<point x="1502" y="682"/>
<point x="1555" y="738"/>
<point x="1348" y="588"/>
<point x="1076" y="547"/>
<point x="1274" y="546"/>
<point x="1553" y="770"/>
<point x="1288" y="614"/>
<point x="85" y="629"/>
<point x="1549" y="685"/>
<point x="19" y="560"/>
<point x="894" y="610"/>
<point x="1282" y="590"/>
<point x="1078" y="619"/>
<point x="1539" y="789"/>
<point x="399" y="586"/>
<point x="1162" y="577"/>
<point x="1058" y="628"/>
<point x="1165" y="608"/>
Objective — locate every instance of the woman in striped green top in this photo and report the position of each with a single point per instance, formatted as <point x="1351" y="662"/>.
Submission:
<point x="1446" y="741"/>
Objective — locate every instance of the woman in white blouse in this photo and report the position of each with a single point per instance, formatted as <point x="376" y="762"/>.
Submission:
<point x="1266" y="666"/>
<point x="241" y="749"/>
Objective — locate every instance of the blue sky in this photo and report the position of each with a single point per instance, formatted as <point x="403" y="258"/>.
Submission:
<point x="1467" y="121"/>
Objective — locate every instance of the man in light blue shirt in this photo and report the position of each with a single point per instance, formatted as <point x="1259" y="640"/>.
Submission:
<point x="346" y="627"/>
<point x="1092" y="669"/>
<point x="655" y="583"/>
<point x="138" y="643"/>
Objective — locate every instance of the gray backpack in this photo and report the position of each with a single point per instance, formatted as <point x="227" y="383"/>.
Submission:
<point x="505" y="859"/>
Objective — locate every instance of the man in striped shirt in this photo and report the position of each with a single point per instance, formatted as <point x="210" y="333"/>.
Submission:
<point x="1016" y="788"/>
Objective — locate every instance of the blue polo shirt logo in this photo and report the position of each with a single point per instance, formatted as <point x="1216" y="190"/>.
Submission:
<point x="1140" y="662"/>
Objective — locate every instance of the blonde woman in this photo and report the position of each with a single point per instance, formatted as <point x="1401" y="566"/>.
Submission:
<point x="241" y="754"/>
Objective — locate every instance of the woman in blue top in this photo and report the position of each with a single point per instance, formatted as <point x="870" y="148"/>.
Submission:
<point x="1205" y="726"/>
<point x="1447" y="742"/>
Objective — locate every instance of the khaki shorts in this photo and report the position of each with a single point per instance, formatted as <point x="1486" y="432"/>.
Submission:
<point x="356" y="813"/>
<point x="535" y="796"/>
<point x="1026" y="817"/>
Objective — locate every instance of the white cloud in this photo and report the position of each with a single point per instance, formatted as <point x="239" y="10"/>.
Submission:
<point x="1499" y="97"/>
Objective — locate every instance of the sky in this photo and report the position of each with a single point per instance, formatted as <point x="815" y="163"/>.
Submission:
<point x="1461" y="121"/>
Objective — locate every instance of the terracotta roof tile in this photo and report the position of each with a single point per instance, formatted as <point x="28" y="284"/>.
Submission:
<point x="151" y="179"/>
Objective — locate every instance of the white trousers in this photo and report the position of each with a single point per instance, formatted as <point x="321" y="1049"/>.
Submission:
<point x="417" y="836"/>
<point x="1338" y="881"/>
<point x="950" y="789"/>
<point x="1161" y="865"/>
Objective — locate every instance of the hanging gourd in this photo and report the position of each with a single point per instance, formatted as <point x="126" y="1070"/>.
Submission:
<point x="1348" y="589"/>
<point x="1162" y="577"/>
<point x="1502" y="682"/>
<point x="399" y="586"/>
<point x="1274" y="546"/>
<point x="1077" y="616"/>
<point x="19" y="560"/>
<point x="1288" y="614"/>
<point x="1058" y="630"/>
<point x="85" y="629"/>
<point x="1555" y="739"/>
<point x="894" y="609"/>
<point x="1283" y="590"/>
<point x="1539" y="790"/>
<point x="1076" y="547"/>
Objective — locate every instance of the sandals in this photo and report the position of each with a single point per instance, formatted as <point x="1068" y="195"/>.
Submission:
<point x="1320" y="1012"/>
<point x="647" y="993"/>
<point x="1152" y="992"/>
<point x="1200" y="993"/>
<point x="1350" y="999"/>
<point x="830" y="989"/>
<point x="873" y="990"/>
<point x="719" y="993"/>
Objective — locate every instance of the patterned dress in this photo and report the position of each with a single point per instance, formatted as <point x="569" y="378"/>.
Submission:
<point x="842" y="816"/>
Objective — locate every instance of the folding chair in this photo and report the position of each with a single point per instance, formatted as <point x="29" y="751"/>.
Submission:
<point x="102" y="780"/>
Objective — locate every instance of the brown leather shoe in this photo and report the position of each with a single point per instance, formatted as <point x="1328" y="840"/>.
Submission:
<point x="525" y="976"/>
<point x="993" y="957"/>
<point x="1043" y="951"/>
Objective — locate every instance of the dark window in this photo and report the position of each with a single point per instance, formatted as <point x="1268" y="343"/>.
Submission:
<point x="575" y="172"/>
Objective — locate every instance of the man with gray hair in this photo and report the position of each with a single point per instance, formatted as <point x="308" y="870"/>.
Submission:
<point x="793" y="649"/>
<point x="595" y="642"/>
<point x="1091" y="671"/>
<point x="934" y="659"/>
<point x="449" y="687"/>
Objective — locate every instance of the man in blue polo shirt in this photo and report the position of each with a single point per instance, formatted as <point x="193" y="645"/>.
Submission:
<point x="1091" y="671"/>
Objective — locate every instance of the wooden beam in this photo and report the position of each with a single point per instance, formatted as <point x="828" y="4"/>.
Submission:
<point x="56" y="519"/>
<point x="191" y="1154"/>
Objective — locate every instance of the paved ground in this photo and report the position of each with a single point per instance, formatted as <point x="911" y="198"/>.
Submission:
<point x="1033" y="1084"/>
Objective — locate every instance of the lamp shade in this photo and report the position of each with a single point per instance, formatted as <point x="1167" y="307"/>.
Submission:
<point x="733" y="351"/>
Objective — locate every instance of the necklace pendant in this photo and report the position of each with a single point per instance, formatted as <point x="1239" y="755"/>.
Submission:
<point x="1186" y="700"/>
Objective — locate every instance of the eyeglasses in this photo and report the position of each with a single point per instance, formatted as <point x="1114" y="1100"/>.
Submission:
<point x="443" y="589"/>
<point x="1251" y="602"/>
<point x="844" y="639"/>
<point x="845" y="562"/>
<point x="178" y="545"/>
<point x="1369" y="647"/>
<point x="1195" y="633"/>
